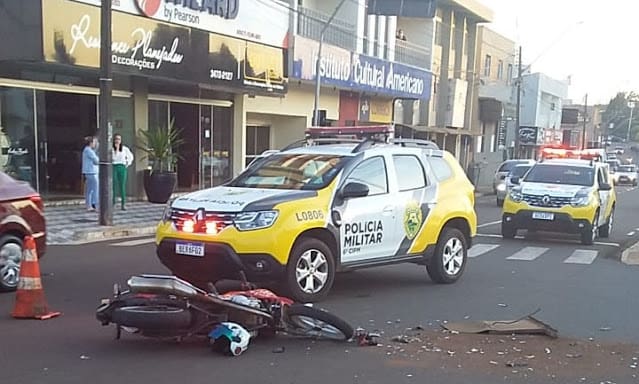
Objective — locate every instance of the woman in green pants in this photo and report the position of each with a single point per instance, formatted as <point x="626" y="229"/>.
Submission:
<point x="122" y="158"/>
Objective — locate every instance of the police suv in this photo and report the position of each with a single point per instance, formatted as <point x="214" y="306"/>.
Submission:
<point x="562" y="195"/>
<point x="300" y="215"/>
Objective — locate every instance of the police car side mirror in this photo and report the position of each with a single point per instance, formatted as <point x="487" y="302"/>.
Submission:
<point x="354" y="189"/>
<point x="514" y="180"/>
<point x="605" y="187"/>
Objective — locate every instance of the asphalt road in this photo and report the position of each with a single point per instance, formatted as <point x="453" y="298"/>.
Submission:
<point x="590" y="298"/>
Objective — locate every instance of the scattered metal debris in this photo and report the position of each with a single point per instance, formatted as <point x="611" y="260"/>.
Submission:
<point x="516" y="364"/>
<point x="279" y="350"/>
<point x="525" y="325"/>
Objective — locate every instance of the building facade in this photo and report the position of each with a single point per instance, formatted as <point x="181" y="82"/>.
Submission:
<point x="449" y="117"/>
<point x="496" y="59"/>
<point x="541" y="110"/>
<point x="364" y="67"/>
<point x="577" y="134"/>
<point x="191" y="63"/>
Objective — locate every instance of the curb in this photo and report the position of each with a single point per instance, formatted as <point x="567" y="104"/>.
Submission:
<point x="77" y="202"/>
<point x="106" y="233"/>
<point x="630" y="255"/>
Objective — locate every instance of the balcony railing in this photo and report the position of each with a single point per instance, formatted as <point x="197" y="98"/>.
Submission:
<point x="340" y="33"/>
<point x="412" y="54"/>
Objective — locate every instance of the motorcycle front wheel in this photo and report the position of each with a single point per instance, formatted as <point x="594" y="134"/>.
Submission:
<point x="152" y="317"/>
<point x="316" y="323"/>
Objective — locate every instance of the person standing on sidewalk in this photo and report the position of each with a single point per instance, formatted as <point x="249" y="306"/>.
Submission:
<point x="90" y="162"/>
<point x="122" y="159"/>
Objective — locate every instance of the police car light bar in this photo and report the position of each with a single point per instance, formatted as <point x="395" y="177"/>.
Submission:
<point x="352" y="131"/>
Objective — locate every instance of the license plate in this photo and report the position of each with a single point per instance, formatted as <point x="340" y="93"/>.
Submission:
<point x="190" y="249"/>
<point x="543" y="216"/>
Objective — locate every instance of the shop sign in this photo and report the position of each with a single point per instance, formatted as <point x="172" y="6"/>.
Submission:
<point x="530" y="136"/>
<point x="335" y="65"/>
<point x="375" y="110"/>
<point x="341" y="68"/>
<point x="244" y="19"/>
<point x="147" y="47"/>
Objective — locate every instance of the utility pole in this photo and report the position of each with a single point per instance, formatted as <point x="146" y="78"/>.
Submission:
<point x="583" y="134"/>
<point x="318" y="77"/>
<point x="517" y="114"/>
<point x="631" y="105"/>
<point x="106" y="175"/>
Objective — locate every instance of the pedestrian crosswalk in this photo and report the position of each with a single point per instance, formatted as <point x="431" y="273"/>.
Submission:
<point x="532" y="253"/>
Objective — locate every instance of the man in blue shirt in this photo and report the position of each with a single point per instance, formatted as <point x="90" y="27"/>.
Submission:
<point x="90" y="162"/>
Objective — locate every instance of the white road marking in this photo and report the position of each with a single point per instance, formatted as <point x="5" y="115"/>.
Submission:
<point x="132" y="243"/>
<point x="494" y="236"/>
<point x="528" y="253"/>
<point x="606" y="244"/>
<point x="479" y="249"/>
<point x="632" y="233"/>
<point x="582" y="256"/>
<point x="489" y="224"/>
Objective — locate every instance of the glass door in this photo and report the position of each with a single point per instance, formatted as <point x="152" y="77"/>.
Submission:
<point x="18" y="137"/>
<point x="209" y="167"/>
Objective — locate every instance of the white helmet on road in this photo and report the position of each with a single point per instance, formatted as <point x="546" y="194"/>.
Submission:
<point x="230" y="338"/>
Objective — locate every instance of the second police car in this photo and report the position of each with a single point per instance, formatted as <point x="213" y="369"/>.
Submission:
<point x="300" y="215"/>
<point x="562" y="195"/>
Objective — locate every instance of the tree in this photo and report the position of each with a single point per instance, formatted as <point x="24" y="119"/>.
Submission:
<point x="618" y="113"/>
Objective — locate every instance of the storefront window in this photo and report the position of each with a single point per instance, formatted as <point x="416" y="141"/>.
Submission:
<point x="17" y="134"/>
<point x="257" y="141"/>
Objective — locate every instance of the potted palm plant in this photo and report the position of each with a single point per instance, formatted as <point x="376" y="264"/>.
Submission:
<point x="160" y="145"/>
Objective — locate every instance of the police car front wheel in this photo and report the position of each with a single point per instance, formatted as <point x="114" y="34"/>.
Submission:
<point x="310" y="271"/>
<point x="449" y="261"/>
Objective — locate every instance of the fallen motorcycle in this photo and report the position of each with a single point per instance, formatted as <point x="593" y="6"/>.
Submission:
<point x="162" y="306"/>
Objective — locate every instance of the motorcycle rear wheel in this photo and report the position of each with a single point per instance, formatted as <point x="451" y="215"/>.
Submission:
<point x="316" y="323"/>
<point x="152" y="317"/>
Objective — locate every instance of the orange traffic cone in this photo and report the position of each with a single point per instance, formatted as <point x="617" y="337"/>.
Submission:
<point x="30" y="301"/>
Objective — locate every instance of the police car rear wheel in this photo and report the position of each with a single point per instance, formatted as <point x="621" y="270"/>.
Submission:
<point x="449" y="261"/>
<point x="310" y="271"/>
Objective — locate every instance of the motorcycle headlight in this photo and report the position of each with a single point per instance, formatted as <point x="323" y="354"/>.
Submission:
<point x="516" y="195"/>
<point x="248" y="221"/>
<point x="581" y="199"/>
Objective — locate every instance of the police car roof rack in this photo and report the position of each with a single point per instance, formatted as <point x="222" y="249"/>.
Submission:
<point x="427" y="144"/>
<point x="367" y="143"/>
<point x="321" y="141"/>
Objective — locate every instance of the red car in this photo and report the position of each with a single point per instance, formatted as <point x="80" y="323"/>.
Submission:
<point x="21" y="214"/>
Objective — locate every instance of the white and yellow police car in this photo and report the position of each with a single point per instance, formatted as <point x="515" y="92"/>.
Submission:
<point x="303" y="214"/>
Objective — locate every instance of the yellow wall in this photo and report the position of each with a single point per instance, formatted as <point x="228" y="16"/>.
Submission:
<point x="298" y="102"/>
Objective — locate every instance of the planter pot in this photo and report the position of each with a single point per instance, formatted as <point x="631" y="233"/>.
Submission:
<point x="159" y="186"/>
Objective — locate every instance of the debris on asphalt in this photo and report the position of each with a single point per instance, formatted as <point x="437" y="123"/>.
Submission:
<point x="548" y="351"/>
<point x="502" y="305"/>
<point x="366" y="339"/>
<point x="526" y="325"/>
<point x="279" y="350"/>
<point x="516" y="364"/>
<point x="605" y="329"/>
<point x="573" y="355"/>
<point x="405" y="339"/>
<point x="84" y="357"/>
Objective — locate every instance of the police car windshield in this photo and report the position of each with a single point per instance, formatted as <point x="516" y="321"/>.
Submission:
<point x="291" y="171"/>
<point x="561" y="174"/>
<point x="627" y="168"/>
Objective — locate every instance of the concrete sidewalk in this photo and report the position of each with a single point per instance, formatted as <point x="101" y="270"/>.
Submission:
<point x="69" y="224"/>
